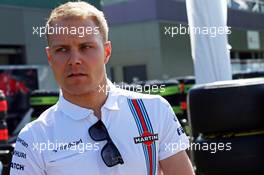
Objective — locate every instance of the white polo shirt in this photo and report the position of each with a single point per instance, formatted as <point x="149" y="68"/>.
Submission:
<point x="143" y="128"/>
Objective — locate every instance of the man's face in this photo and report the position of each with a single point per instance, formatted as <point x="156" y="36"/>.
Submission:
<point x="78" y="63"/>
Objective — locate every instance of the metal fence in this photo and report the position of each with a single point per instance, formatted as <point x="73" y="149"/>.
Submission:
<point x="247" y="5"/>
<point x="247" y="65"/>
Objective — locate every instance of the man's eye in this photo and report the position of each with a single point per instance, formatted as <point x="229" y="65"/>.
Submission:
<point x="86" y="47"/>
<point x="61" y="50"/>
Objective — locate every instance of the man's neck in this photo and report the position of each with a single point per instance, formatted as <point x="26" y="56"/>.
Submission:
<point x="93" y="100"/>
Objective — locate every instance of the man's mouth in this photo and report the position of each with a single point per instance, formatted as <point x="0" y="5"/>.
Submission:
<point x="76" y="75"/>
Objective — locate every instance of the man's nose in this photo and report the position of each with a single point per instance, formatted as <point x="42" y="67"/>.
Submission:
<point x="75" y="58"/>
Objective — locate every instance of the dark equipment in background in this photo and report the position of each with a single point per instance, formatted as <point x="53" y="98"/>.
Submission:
<point x="6" y="150"/>
<point x="228" y="112"/>
<point x="17" y="83"/>
<point x="15" y="86"/>
<point x="41" y="100"/>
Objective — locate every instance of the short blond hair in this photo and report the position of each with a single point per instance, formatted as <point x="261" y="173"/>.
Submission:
<point x="83" y="10"/>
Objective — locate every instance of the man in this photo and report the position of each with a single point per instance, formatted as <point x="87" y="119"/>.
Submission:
<point x="96" y="128"/>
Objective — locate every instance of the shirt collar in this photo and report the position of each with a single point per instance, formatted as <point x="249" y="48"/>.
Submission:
<point x="111" y="102"/>
<point x="77" y="112"/>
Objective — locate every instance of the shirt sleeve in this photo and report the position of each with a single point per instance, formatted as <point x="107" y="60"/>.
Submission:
<point x="26" y="158"/>
<point x="172" y="136"/>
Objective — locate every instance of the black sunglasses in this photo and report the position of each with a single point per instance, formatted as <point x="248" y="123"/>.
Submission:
<point x="110" y="154"/>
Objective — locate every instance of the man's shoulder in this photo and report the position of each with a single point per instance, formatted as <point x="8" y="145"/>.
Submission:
<point x="40" y="124"/>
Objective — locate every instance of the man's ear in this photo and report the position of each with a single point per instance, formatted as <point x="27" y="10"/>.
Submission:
<point x="48" y="52"/>
<point x="108" y="50"/>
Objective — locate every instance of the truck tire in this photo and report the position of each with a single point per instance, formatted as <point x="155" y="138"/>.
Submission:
<point x="234" y="106"/>
<point x="245" y="156"/>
